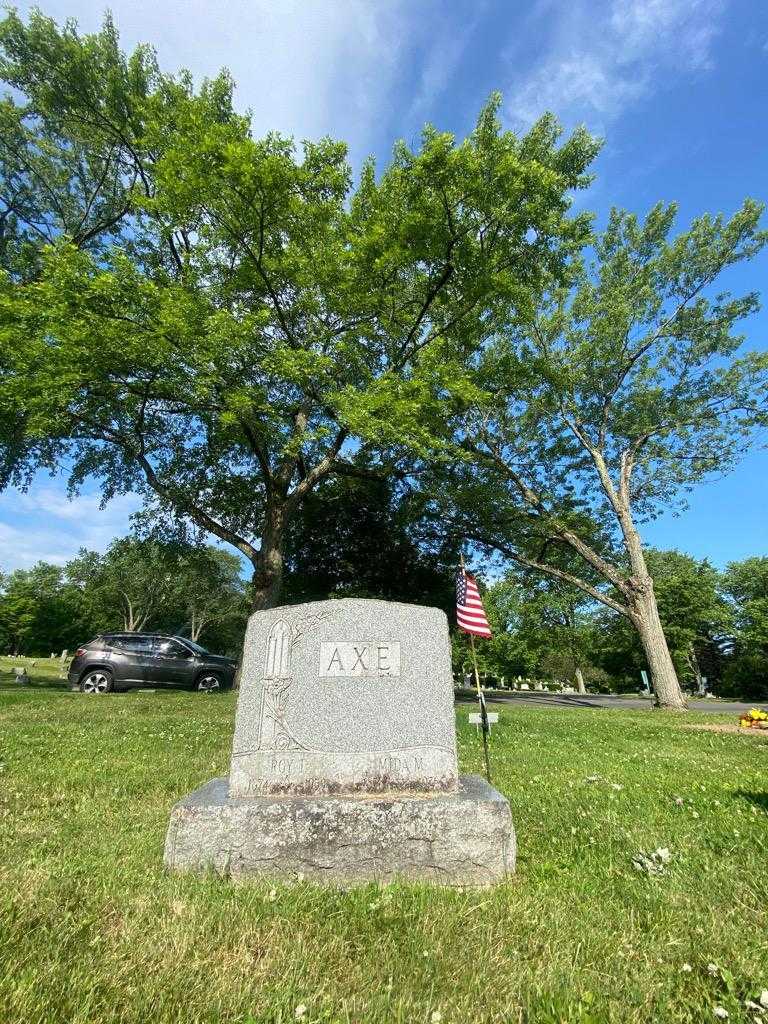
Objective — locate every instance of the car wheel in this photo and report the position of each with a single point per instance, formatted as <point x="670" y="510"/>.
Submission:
<point x="209" y="682"/>
<point x="98" y="680"/>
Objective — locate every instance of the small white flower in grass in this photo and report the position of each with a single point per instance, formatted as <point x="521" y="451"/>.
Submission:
<point x="679" y="801"/>
<point x="721" y="1012"/>
<point x="425" y="953"/>
<point x="272" y="895"/>
<point x="652" y="863"/>
<point x="617" y="787"/>
<point x="436" y="1017"/>
<point x="300" y="1012"/>
<point x="686" y="968"/>
<point x="713" y="969"/>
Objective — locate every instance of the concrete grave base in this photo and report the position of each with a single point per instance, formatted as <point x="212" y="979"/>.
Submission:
<point x="462" y="839"/>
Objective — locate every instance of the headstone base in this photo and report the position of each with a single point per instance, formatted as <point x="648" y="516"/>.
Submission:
<point x="463" y="839"/>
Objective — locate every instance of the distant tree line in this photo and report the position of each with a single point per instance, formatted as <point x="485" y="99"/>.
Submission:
<point x="365" y="536"/>
<point x="137" y="585"/>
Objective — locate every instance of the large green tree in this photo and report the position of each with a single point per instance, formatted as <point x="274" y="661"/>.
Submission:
<point x="141" y="584"/>
<point x="210" y="590"/>
<point x="221" y="315"/>
<point x="126" y="586"/>
<point x="605" y="403"/>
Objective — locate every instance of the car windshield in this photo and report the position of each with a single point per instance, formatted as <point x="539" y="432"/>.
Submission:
<point x="195" y="647"/>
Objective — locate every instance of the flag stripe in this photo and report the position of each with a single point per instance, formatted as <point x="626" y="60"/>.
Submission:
<point x="470" y="614"/>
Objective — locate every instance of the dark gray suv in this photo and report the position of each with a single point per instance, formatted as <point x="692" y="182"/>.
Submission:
<point x="119" y="661"/>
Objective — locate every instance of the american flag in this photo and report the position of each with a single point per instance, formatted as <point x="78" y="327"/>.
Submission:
<point x="469" y="608"/>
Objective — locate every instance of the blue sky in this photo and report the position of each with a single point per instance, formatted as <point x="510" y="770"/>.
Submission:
<point x="677" y="87"/>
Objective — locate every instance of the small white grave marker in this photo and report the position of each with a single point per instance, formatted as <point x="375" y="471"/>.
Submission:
<point x="475" y="718"/>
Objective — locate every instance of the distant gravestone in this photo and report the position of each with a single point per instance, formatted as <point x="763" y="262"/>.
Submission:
<point x="344" y="758"/>
<point x="20" y="676"/>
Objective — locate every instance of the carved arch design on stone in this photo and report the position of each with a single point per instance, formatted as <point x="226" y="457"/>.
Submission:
<point x="274" y="734"/>
<point x="277" y="663"/>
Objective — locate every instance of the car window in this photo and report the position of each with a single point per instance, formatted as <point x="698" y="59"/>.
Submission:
<point x="197" y="648"/>
<point x="131" y="644"/>
<point x="167" y="648"/>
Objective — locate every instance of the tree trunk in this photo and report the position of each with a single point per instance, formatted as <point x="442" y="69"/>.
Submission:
<point x="268" y="569"/>
<point x="693" y="661"/>
<point x="580" y="681"/>
<point x="645" y="615"/>
<point x="196" y="627"/>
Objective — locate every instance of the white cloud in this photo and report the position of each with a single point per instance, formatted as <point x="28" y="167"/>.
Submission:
<point x="304" y="67"/>
<point x="448" y="43"/>
<point x="601" y="58"/>
<point x="44" y="525"/>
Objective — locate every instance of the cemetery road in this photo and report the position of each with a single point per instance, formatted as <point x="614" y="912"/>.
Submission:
<point x="600" y="700"/>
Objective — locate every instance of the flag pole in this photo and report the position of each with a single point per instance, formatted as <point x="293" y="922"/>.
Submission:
<point x="483" y="712"/>
<point x="480" y="699"/>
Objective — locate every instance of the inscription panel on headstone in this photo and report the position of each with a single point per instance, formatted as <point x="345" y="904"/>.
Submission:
<point x="319" y="713"/>
<point x="376" y="658"/>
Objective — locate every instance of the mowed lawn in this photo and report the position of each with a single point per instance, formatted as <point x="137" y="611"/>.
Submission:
<point x="92" y="929"/>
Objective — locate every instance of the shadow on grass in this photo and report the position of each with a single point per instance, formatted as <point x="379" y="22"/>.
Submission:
<point x="756" y="799"/>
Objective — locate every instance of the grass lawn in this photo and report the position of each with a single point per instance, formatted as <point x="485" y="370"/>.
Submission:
<point x="93" y="930"/>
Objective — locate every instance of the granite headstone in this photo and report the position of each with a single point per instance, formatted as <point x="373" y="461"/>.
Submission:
<point x="344" y="757"/>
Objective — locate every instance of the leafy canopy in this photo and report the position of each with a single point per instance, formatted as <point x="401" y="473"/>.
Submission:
<point x="611" y="399"/>
<point x="210" y="318"/>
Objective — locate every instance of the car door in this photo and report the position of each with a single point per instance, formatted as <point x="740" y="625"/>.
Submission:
<point x="130" y="657"/>
<point x="171" y="663"/>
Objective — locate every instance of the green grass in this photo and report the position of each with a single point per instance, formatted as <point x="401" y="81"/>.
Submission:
<point x="47" y="673"/>
<point x="93" y="930"/>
